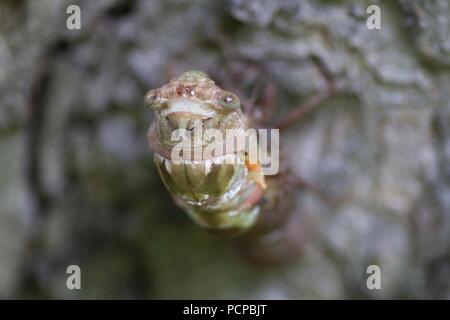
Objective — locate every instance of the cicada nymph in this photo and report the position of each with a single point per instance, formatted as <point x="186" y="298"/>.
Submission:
<point x="221" y="191"/>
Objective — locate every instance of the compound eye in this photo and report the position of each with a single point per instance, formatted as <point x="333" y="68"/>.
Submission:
<point x="229" y="100"/>
<point x="150" y="98"/>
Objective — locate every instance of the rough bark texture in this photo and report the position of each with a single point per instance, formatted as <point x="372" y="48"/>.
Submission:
<point x="77" y="181"/>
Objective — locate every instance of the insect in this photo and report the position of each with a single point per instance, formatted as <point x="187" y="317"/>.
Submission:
<point x="255" y="212"/>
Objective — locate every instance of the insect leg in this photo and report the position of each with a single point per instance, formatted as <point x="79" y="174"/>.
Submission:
<point x="331" y="201"/>
<point x="307" y="107"/>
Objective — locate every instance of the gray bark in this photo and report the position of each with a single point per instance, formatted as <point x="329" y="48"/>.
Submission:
<point x="77" y="181"/>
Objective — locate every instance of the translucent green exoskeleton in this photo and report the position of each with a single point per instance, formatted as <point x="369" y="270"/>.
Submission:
<point x="232" y="198"/>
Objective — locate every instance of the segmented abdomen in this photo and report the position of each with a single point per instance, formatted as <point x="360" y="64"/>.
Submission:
<point x="217" y="193"/>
